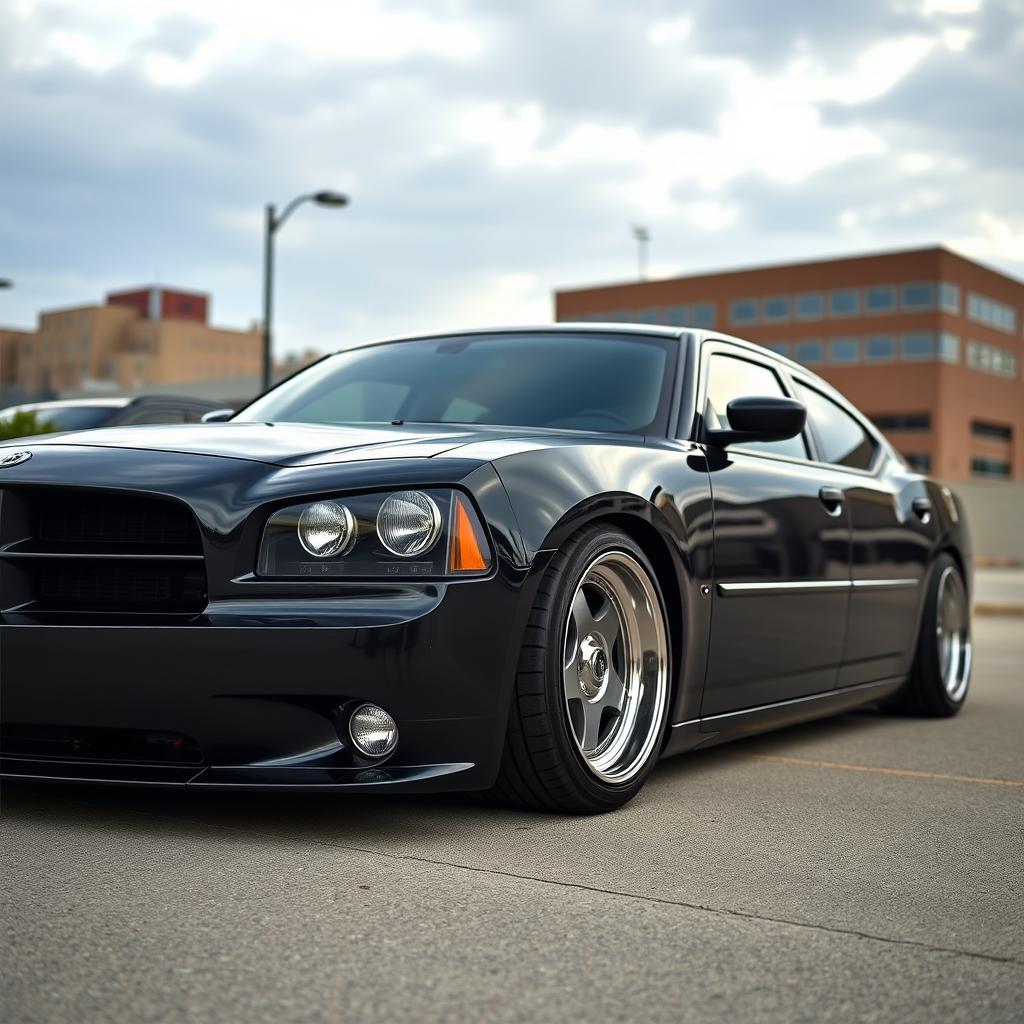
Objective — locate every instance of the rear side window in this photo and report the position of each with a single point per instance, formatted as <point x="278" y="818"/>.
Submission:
<point x="730" y="377"/>
<point x="843" y="440"/>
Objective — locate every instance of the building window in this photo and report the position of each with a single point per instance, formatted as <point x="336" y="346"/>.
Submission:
<point x="808" y="352"/>
<point x="991" y="431"/>
<point x="810" y="306"/>
<point x="880" y="299"/>
<point x="920" y="462"/>
<point x="650" y="315"/>
<point x="879" y="348"/>
<point x="782" y="347"/>
<point x="905" y="421"/>
<point x="918" y="345"/>
<point x="949" y="348"/>
<point x="983" y="466"/>
<point x="993" y="314"/>
<point x="918" y="296"/>
<point x="623" y="316"/>
<point x="743" y="311"/>
<point x="775" y="309"/>
<point x="949" y="297"/>
<point x="990" y="359"/>
<point x="844" y="302"/>
<point x="844" y="350"/>
<point x="677" y="316"/>
<point x="704" y="314"/>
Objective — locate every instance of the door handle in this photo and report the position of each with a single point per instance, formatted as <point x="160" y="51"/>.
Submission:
<point x="922" y="509"/>
<point x="832" y="499"/>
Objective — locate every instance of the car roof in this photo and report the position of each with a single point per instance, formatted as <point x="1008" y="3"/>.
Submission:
<point x="71" y="403"/>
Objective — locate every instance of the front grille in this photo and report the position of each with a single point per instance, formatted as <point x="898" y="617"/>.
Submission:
<point x="64" y="550"/>
<point x="114" y="522"/>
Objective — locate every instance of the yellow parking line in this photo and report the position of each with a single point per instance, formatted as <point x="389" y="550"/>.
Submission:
<point x="807" y="763"/>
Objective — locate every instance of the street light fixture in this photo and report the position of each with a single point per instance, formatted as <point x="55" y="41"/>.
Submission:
<point x="327" y="198"/>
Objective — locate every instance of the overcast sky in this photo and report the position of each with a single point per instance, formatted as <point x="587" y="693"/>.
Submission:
<point x="494" y="151"/>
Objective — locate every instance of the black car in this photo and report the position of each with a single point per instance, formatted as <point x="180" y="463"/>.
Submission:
<point x="526" y="561"/>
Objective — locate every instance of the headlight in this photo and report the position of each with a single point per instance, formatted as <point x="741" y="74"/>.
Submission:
<point x="409" y="523"/>
<point x="327" y="529"/>
<point x="432" y="533"/>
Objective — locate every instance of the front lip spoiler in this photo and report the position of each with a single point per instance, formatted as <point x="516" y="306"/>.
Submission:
<point x="406" y="777"/>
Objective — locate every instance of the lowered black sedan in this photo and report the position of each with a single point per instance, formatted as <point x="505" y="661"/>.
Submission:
<point x="526" y="561"/>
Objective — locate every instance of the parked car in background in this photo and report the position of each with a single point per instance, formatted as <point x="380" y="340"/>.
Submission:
<point x="87" y="413"/>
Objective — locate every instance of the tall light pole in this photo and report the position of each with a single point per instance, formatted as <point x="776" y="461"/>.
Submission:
<point x="273" y="225"/>
<point x="643" y="238"/>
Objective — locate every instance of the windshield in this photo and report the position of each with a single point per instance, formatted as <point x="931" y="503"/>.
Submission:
<point x="601" y="382"/>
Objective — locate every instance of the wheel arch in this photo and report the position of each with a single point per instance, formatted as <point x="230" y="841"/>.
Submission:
<point x="647" y="526"/>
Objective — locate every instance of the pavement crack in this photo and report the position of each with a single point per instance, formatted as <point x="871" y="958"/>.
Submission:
<point x="621" y="893"/>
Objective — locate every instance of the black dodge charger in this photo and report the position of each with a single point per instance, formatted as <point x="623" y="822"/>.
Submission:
<point x="525" y="561"/>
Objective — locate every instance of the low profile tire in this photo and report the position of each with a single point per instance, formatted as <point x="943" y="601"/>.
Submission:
<point x="941" y="673"/>
<point x="588" y="712"/>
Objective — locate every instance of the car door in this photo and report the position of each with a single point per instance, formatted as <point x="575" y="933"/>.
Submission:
<point x="893" y="531"/>
<point x="781" y="552"/>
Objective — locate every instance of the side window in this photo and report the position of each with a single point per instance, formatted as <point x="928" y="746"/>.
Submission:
<point x="730" y="377"/>
<point x="159" y="415"/>
<point x="843" y="440"/>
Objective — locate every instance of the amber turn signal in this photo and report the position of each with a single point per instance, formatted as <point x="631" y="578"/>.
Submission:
<point x="466" y="553"/>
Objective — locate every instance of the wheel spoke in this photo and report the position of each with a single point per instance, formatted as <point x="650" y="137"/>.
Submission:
<point x="607" y="621"/>
<point x="582" y="615"/>
<point x="614" y="692"/>
<point x="571" y="681"/>
<point x="591" y="725"/>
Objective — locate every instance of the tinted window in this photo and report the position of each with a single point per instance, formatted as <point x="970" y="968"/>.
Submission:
<point x="730" y="377"/>
<point x="843" y="440"/>
<point x="563" y="381"/>
<point x="155" y="416"/>
<point x="81" y="417"/>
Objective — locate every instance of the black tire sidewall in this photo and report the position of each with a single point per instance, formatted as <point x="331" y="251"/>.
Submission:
<point x="928" y="691"/>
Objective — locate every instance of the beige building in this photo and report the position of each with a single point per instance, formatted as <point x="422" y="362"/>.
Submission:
<point x="151" y="338"/>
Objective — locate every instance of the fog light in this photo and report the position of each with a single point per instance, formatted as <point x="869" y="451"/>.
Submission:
<point x="373" y="731"/>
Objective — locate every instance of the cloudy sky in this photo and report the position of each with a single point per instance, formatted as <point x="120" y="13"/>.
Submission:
<point x="494" y="150"/>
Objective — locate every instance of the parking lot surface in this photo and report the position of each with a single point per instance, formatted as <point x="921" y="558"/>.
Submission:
<point x="860" y="868"/>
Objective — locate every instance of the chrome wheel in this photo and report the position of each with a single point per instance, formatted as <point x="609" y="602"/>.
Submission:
<point x="953" y="634"/>
<point x="615" y="666"/>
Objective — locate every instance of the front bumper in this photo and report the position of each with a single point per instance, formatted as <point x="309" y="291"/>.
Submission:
<point x="253" y="695"/>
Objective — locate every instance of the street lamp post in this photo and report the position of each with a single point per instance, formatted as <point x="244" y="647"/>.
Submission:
<point x="643" y="238"/>
<point x="272" y="226"/>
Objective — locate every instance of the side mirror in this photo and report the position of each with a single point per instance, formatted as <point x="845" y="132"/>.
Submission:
<point x="759" y="418"/>
<point x="217" y="415"/>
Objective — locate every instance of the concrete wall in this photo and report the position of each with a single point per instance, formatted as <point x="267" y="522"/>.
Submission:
<point x="995" y="512"/>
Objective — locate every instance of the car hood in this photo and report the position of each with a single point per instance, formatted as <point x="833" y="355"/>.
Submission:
<point x="294" y="444"/>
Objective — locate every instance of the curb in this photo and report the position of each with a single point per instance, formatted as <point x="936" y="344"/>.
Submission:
<point x="997" y="608"/>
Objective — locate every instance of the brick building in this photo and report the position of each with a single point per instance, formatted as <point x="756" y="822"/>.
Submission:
<point x="926" y="342"/>
<point x="144" y="338"/>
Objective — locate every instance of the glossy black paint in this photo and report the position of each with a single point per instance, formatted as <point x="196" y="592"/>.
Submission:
<point x="261" y="680"/>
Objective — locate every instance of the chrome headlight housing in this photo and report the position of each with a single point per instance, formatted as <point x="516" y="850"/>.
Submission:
<point x="429" y="532"/>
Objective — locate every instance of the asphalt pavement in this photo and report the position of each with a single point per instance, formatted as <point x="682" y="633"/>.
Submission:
<point x="863" y="868"/>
